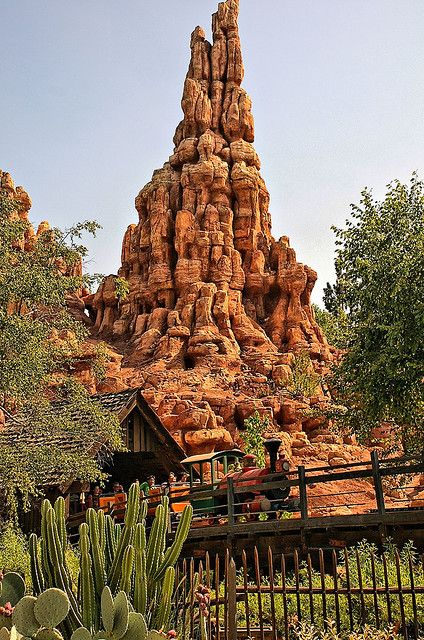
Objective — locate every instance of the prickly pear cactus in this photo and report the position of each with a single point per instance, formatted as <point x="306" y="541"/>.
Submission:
<point x="12" y="634"/>
<point x="38" y="618"/>
<point x="118" y="621"/>
<point x="12" y="589"/>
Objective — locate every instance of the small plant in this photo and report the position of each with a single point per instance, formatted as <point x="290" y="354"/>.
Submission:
<point x="305" y="631"/>
<point x="252" y="438"/>
<point x="303" y="381"/>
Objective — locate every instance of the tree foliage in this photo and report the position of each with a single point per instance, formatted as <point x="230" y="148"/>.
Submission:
<point x="380" y="289"/>
<point x="334" y="326"/>
<point x="39" y="343"/>
<point x="303" y="381"/>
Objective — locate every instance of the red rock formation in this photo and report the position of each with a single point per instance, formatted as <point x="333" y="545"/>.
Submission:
<point x="23" y="202"/>
<point x="208" y="282"/>
<point x="29" y="239"/>
<point x="215" y="303"/>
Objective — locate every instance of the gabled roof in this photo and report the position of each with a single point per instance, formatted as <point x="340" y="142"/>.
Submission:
<point x="121" y="404"/>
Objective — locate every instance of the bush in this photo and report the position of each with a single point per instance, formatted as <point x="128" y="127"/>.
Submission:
<point x="14" y="554"/>
<point x="303" y="381"/>
<point x="308" y="632"/>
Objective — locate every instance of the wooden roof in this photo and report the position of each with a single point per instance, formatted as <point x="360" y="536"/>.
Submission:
<point x="215" y="455"/>
<point x="121" y="404"/>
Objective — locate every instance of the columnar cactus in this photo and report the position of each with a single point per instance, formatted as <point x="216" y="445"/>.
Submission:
<point x="114" y="560"/>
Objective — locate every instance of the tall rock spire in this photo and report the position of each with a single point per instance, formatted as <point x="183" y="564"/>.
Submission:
<point x="209" y="285"/>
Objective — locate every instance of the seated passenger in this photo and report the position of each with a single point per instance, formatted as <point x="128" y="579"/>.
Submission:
<point x="146" y="486"/>
<point x="93" y="499"/>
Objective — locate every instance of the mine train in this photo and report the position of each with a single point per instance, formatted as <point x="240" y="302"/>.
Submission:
<point x="207" y="487"/>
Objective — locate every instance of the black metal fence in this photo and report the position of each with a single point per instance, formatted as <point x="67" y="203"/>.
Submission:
<point x="346" y="590"/>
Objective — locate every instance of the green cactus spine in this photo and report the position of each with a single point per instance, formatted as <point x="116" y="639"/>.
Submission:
<point x="59" y="509"/>
<point x="155" y="543"/>
<point x="174" y="551"/>
<point x="110" y="543"/>
<point x="125" y="539"/>
<point x="36" y="570"/>
<point x="140" y="582"/>
<point x="60" y="572"/>
<point x="127" y="570"/>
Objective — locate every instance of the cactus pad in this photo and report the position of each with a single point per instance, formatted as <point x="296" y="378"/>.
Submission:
<point x="12" y="589"/>
<point x="48" y="634"/>
<point x="137" y="628"/>
<point x="24" y="618"/>
<point x="81" y="634"/>
<point x="120" y="624"/>
<point x="4" y="634"/>
<point x="51" y="608"/>
<point x="108" y="610"/>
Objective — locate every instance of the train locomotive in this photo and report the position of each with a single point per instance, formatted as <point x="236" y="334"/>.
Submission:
<point x="210" y="474"/>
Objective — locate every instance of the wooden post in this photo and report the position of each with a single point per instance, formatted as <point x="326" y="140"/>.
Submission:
<point x="230" y="501"/>
<point x="232" y="601"/>
<point x="378" y="486"/>
<point x="302" y="493"/>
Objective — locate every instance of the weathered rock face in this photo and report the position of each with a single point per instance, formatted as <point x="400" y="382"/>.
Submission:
<point x="216" y="305"/>
<point x="23" y="202"/>
<point x="30" y="236"/>
<point x="208" y="282"/>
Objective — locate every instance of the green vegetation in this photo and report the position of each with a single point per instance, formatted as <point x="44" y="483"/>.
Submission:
<point x="409" y="563"/>
<point x="121" y="559"/>
<point x="125" y="583"/>
<point x="40" y="343"/>
<point x="309" y="632"/>
<point x="303" y="381"/>
<point x="334" y="326"/>
<point x="376" y="310"/>
<point x="252" y="437"/>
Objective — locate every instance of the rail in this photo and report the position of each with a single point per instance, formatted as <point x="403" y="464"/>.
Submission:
<point x="375" y="490"/>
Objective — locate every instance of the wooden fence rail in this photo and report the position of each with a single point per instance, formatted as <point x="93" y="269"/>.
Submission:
<point x="266" y="602"/>
<point x="229" y="502"/>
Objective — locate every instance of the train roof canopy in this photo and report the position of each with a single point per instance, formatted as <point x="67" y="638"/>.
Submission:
<point x="209" y="457"/>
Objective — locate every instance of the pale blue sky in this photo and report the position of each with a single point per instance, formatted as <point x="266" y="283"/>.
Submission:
<point x="90" y="98"/>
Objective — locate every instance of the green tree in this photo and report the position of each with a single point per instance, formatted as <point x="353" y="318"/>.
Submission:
<point x="303" y="381"/>
<point x="39" y="344"/>
<point x="380" y="288"/>
<point x="334" y="326"/>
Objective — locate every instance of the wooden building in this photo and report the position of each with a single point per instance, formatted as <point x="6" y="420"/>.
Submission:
<point x="151" y="450"/>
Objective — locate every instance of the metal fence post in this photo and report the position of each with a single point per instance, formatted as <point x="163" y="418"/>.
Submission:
<point x="232" y="601"/>
<point x="302" y="492"/>
<point x="378" y="485"/>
